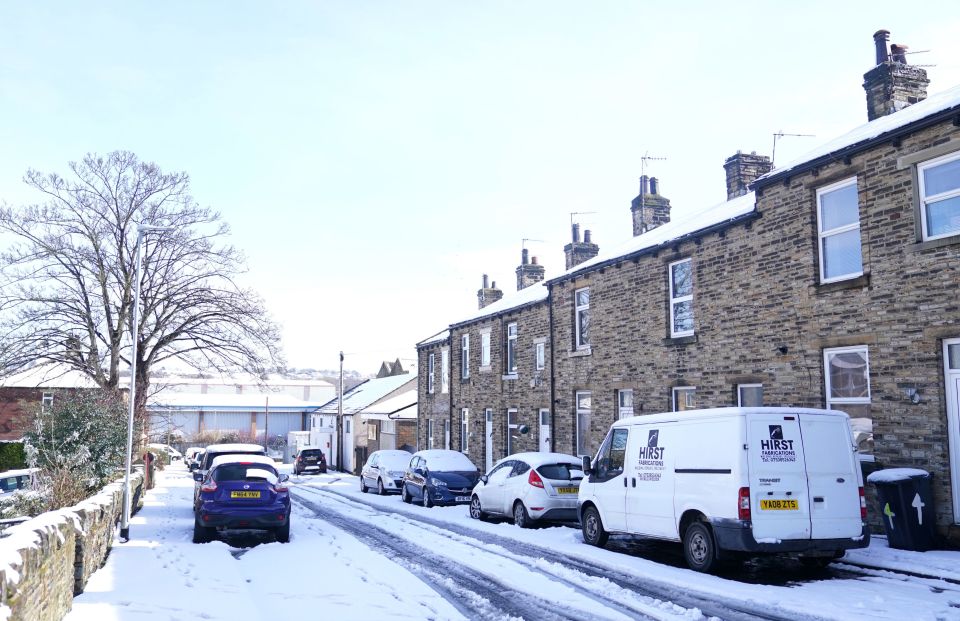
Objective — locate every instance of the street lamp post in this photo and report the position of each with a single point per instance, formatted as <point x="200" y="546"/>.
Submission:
<point x="125" y="516"/>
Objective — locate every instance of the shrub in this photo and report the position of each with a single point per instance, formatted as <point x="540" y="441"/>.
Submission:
<point x="12" y="456"/>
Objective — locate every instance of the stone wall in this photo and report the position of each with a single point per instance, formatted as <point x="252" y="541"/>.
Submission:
<point x="432" y="406"/>
<point x="46" y="561"/>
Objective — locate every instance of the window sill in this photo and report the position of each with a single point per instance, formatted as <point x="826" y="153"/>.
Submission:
<point x="680" y="341"/>
<point x="854" y="283"/>
<point x="583" y="351"/>
<point x="485" y="369"/>
<point x="509" y="376"/>
<point x="464" y="380"/>
<point x="934" y="243"/>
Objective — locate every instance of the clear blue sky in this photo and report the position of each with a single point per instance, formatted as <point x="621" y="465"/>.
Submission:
<point x="375" y="158"/>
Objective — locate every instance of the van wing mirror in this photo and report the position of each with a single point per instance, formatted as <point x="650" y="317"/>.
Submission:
<point x="587" y="470"/>
<point x="483" y="479"/>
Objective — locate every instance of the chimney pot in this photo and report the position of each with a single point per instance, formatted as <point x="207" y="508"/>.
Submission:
<point x="534" y="260"/>
<point x="523" y="257"/>
<point x="586" y="236"/>
<point x="654" y="183"/>
<point x="485" y="281"/>
<point x="898" y="53"/>
<point x="880" y="39"/>
<point x="576" y="233"/>
<point x="493" y="285"/>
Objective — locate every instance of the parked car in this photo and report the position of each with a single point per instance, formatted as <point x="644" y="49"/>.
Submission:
<point x="172" y="453"/>
<point x="242" y="492"/>
<point x="729" y="480"/>
<point x="12" y="480"/>
<point x="215" y="450"/>
<point x="439" y="477"/>
<point x="192" y="457"/>
<point x="384" y="471"/>
<point x="529" y="487"/>
<point x="308" y="458"/>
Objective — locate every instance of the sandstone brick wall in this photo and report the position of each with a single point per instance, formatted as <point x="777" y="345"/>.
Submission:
<point x="47" y="560"/>
<point x="435" y="406"/>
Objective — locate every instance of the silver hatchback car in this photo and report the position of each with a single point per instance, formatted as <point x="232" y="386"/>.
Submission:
<point x="529" y="487"/>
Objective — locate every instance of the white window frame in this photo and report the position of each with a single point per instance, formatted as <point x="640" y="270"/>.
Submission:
<point x="510" y="358"/>
<point x="464" y="430"/>
<point x="582" y="341"/>
<point x="740" y="388"/>
<point x="429" y="433"/>
<point x="431" y="371"/>
<point x="485" y="349"/>
<point x="46" y="400"/>
<point x="511" y="426"/>
<point x="946" y="159"/>
<point x="444" y="370"/>
<point x="837" y="403"/>
<point x="624" y="411"/>
<point x="689" y="392"/>
<point x="464" y="356"/>
<point x="446" y="433"/>
<point x="823" y="235"/>
<point x="579" y="411"/>
<point x="675" y="299"/>
<point x="540" y="356"/>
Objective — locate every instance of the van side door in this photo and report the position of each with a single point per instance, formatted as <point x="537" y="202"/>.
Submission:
<point x="608" y="480"/>
<point x="650" y="481"/>
<point x="779" y="499"/>
<point x="833" y="475"/>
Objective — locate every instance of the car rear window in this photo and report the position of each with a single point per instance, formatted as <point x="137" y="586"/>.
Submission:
<point x="244" y="472"/>
<point x="561" y="472"/>
<point x="311" y="453"/>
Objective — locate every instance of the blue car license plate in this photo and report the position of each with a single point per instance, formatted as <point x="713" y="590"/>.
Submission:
<point x="463" y="499"/>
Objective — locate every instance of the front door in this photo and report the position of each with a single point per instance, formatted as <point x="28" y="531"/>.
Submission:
<point x="545" y="430"/>
<point x="488" y="434"/>
<point x="951" y="364"/>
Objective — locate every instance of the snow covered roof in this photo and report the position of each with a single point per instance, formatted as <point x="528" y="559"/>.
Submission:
<point x="439" y="337"/>
<point x="930" y="108"/>
<point x="243" y="402"/>
<point x="369" y="392"/>
<point x="671" y="231"/>
<point x="524" y="297"/>
<point x="401" y="406"/>
<point x="48" y="376"/>
<point x="239" y="380"/>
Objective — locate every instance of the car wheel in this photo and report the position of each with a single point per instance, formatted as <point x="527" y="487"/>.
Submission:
<point x="520" y="516"/>
<point x="283" y="532"/>
<point x="699" y="548"/>
<point x="363" y="486"/>
<point x="426" y="498"/>
<point x="203" y="534"/>
<point x="475" y="511"/>
<point x="404" y="494"/>
<point x="380" y="489"/>
<point x="593" y="531"/>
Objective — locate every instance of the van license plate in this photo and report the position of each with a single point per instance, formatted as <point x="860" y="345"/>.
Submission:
<point x="779" y="505"/>
<point x="244" y="494"/>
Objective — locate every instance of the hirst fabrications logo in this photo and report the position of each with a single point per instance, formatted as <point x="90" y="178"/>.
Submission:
<point x="652" y="450"/>
<point x="776" y="432"/>
<point x="653" y="437"/>
<point x="776" y="443"/>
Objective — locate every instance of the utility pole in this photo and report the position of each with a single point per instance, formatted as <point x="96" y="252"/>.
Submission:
<point x="643" y="186"/>
<point x="340" y="419"/>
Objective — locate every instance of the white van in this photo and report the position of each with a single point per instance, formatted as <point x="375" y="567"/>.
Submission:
<point x="729" y="480"/>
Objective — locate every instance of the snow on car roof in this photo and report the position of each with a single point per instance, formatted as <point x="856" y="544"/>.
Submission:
<point x="237" y="447"/>
<point x="395" y="457"/>
<point x="235" y="459"/>
<point x="442" y="459"/>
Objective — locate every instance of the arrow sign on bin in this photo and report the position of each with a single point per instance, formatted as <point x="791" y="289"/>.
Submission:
<point x="887" y="511"/>
<point x="918" y="504"/>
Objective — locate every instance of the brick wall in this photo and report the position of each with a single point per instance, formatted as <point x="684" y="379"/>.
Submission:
<point x="431" y="406"/>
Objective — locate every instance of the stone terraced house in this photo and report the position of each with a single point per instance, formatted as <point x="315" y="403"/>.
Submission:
<point x="832" y="281"/>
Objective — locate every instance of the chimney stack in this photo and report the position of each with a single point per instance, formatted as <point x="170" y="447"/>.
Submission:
<point x="742" y="170"/>
<point x="892" y="84"/>
<point x="488" y="295"/>
<point x="649" y="209"/>
<point x="577" y="252"/>
<point x="528" y="273"/>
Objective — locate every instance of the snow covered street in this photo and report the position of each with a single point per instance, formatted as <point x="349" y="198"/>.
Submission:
<point x="362" y="556"/>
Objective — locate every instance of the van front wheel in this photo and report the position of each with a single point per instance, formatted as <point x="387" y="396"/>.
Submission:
<point x="699" y="548"/>
<point x="593" y="531"/>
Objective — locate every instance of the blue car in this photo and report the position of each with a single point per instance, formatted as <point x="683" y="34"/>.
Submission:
<point x="242" y="492"/>
<point x="439" y="477"/>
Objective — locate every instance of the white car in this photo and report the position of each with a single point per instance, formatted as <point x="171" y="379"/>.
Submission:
<point x="529" y="487"/>
<point x="384" y="471"/>
<point x="166" y="448"/>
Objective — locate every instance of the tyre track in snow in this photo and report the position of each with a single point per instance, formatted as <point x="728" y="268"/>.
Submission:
<point x="476" y="595"/>
<point x="530" y="555"/>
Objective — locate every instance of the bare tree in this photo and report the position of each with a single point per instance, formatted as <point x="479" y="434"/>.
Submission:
<point x="66" y="281"/>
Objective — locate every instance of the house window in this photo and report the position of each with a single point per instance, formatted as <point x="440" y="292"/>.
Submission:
<point x="430" y="373"/>
<point x="582" y="317"/>
<point x="511" y="348"/>
<point x="585" y="446"/>
<point x="940" y="196"/>
<point x="511" y="429"/>
<point x="681" y="298"/>
<point x="429" y="433"/>
<point x="683" y="398"/>
<point x="464" y="430"/>
<point x="624" y="403"/>
<point x="485" y="349"/>
<point x="838" y="220"/>
<point x="372" y="430"/>
<point x="749" y="395"/>
<point x="847" y="378"/>
<point x="540" y="356"/>
<point x="445" y="371"/>
<point x="465" y="356"/>
<point x="46" y="400"/>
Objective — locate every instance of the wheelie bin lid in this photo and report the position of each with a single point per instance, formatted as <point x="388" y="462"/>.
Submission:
<point x="893" y="475"/>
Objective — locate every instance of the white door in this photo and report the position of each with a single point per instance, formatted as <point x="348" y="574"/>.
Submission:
<point x="348" y="444"/>
<point x="951" y="363"/>
<point x="780" y="504"/>
<point x="649" y="480"/>
<point x="489" y="439"/>
<point x="545" y="430"/>
<point x="608" y="482"/>
<point x="833" y="484"/>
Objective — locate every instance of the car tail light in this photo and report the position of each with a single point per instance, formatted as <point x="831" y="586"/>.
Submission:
<point x="743" y="503"/>
<point x="534" y="479"/>
<point x="209" y="486"/>
<point x="863" y="504"/>
<point x="280" y="487"/>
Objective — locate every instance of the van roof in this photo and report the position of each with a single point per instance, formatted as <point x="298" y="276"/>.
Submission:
<point x="720" y="413"/>
<point x="237" y="447"/>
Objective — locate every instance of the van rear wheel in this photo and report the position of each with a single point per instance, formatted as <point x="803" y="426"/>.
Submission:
<point x="699" y="548"/>
<point x="593" y="531"/>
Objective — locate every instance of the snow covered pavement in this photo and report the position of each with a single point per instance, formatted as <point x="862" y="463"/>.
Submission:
<point x="362" y="556"/>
